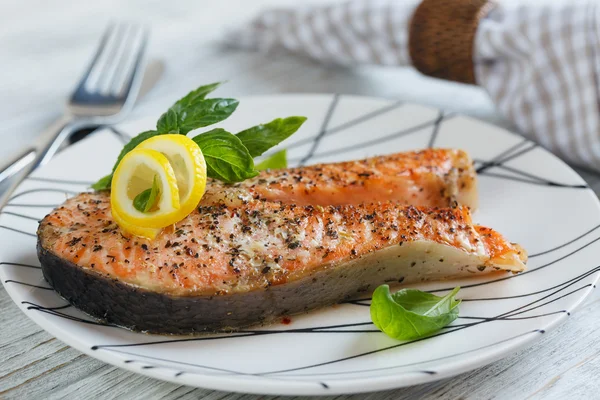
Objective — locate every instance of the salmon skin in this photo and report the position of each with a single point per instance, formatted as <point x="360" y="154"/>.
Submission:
<point x="236" y="262"/>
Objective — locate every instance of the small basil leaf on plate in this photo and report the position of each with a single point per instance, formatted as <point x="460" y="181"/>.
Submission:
<point x="183" y="118"/>
<point x="412" y="314"/>
<point x="104" y="183"/>
<point x="226" y="157"/>
<point x="261" y="138"/>
<point x="275" y="161"/>
<point x="148" y="198"/>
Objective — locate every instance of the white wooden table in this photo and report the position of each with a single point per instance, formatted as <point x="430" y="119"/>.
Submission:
<point x="43" y="49"/>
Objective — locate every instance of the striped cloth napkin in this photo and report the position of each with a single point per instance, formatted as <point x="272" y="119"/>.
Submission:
<point x="538" y="60"/>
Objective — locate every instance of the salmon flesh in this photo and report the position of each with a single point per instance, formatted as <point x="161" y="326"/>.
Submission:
<point x="284" y="242"/>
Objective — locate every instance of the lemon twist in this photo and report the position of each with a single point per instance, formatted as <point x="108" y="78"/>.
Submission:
<point x="177" y="163"/>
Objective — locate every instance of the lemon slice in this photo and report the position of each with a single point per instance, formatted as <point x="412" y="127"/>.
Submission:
<point x="148" y="233"/>
<point x="136" y="173"/>
<point x="189" y="166"/>
<point x="177" y="163"/>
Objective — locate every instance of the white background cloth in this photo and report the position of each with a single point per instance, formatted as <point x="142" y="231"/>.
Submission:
<point x="538" y="60"/>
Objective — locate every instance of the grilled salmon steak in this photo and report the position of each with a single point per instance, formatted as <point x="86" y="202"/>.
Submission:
<point x="428" y="178"/>
<point x="243" y="258"/>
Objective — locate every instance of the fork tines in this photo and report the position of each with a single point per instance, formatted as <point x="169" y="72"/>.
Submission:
<point x="118" y="56"/>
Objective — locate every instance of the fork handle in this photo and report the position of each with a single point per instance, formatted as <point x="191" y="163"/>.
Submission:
<point x="16" y="164"/>
<point x="43" y="150"/>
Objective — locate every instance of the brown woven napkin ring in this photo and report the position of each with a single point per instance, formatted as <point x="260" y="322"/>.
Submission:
<point x="441" y="37"/>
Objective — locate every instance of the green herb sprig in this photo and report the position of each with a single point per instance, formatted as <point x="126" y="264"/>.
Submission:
<point x="275" y="161"/>
<point x="148" y="198"/>
<point x="412" y="314"/>
<point x="229" y="157"/>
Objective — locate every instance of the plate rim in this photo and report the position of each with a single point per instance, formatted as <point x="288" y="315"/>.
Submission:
<point x="302" y="387"/>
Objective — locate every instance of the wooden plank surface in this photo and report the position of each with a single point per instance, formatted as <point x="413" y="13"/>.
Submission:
<point x="43" y="49"/>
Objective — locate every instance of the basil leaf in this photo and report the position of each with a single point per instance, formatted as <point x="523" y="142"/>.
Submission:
<point x="185" y="117"/>
<point x="104" y="183"/>
<point x="412" y="314"/>
<point x="230" y="157"/>
<point x="261" y="138"/>
<point x="147" y="199"/>
<point x="226" y="157"/>
<point x="276" y="161"/>
<point x="154" y="195"/>
<point x="168" y="122"/>
<point x="198" y="94"/>
<point x="188" y="113"/>
<point x="140" y="201"/>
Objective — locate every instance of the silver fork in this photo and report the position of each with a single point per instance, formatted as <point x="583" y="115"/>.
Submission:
<point x="105" y="93"/>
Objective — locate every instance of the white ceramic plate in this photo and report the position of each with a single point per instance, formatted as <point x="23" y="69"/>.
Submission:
<point x="526" y="193"/>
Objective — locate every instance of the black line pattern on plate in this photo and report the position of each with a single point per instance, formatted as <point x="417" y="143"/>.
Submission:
<point x="533" y="181"/>
<point x="446" y="289"/>
<point x="53" y="180"/>
<point x="522" y="273"/>
<point x="32" y="205"/>
<point x="364" y="118"/>
<point x="17" y="230"/>
<point x="506" y="155"/>
<point x="500" y="159"/>
<point x="147" y="365"/>
<point x="534" y="316"/>
<point x="52" y="190"/>
<point x="322" y="131"/>
<point x="504" y="316"/>
<point x="345" y="125"/>
<point x="46" y="308"/>
<point x="576" y="279"/>
<point x="589" y="285"/>
<point x="120" y="135"/>
<point x="516" y="311"/>
<point x="53" y="311"/>
<point x="20" y="265"/>
<point x="427" y="361"/>
<point x="21" y="215"/>
<point x="563" y="245"/>
<point x="510" y="317"/>
<point x="50" y="311"/>
<point x="383" y="139"/>
<point x="182" y="362"/>
<point x="239" y="334"/>
<point x="435" y="130"/>
<point x="513" y="312"/>
<point x="361" y="302"/>
<point x="226" y="371"/>
<point x="318" y="329"/>
<point x="192" y="339"/>
<point x="523" y="176"/>
<point x="28" y="284"/>
<point x="509" y="157"/>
